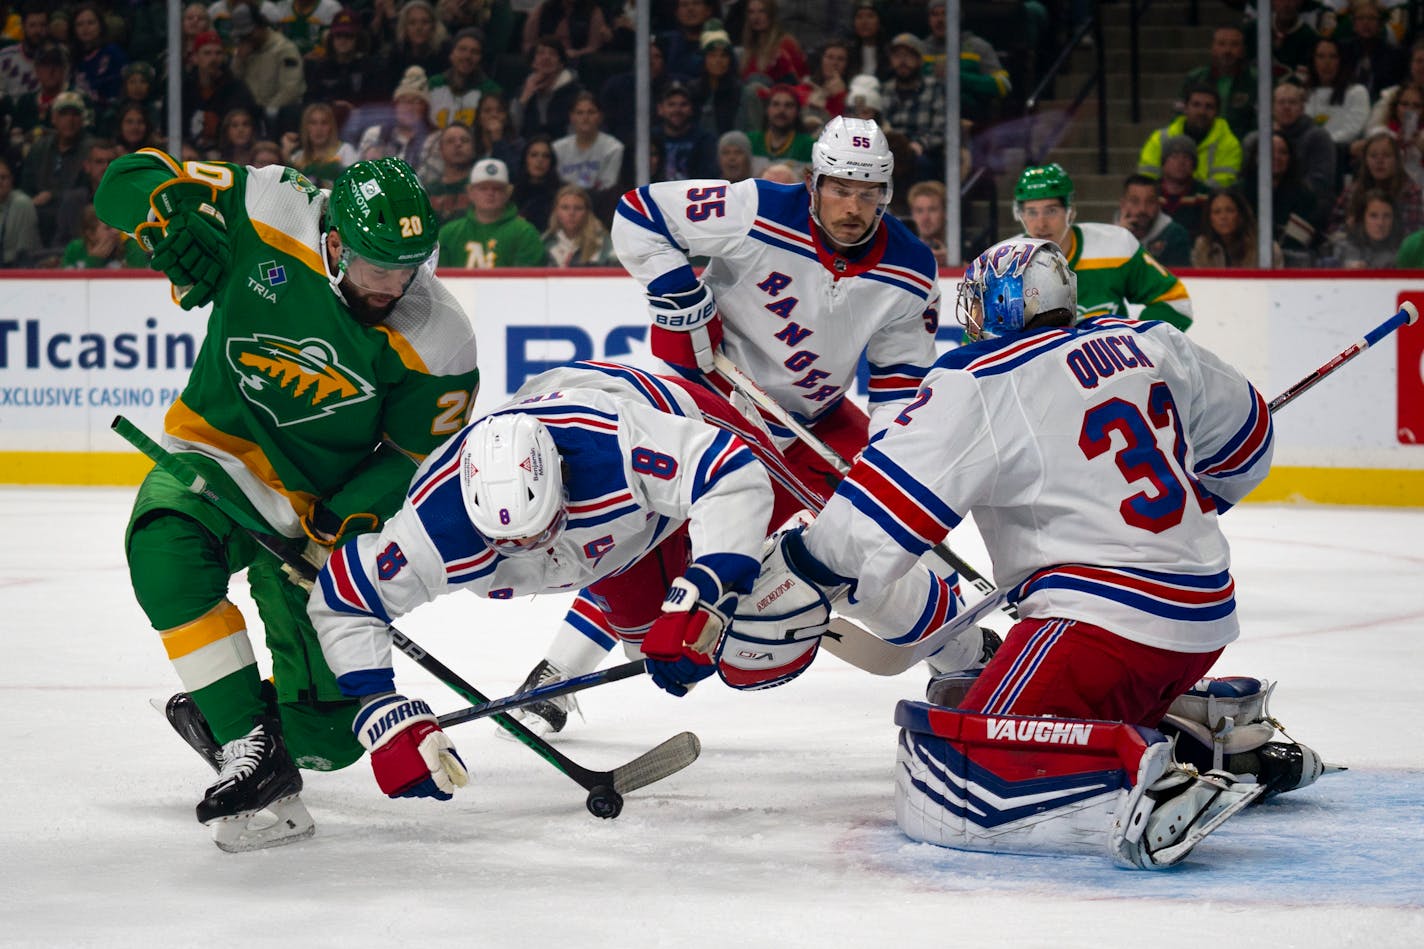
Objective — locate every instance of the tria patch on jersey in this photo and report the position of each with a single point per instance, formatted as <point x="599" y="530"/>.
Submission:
<point x="294" y="381"/>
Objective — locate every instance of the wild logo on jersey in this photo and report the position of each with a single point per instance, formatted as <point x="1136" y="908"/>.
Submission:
<point x="294" y="381"/>
<point x="301" y="183"/>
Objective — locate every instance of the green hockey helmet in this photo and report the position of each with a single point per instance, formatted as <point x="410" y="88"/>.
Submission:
<point x="382" y="213"/>
<point x="1044" y="181"/>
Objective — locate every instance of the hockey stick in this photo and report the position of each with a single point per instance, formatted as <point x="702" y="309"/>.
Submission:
<point x="880" y="657"/>
<point x="552" y="690"/>
<point x="1408" y="314"/>
<point x="605" y="787"/>
<point x="732" y="374"/>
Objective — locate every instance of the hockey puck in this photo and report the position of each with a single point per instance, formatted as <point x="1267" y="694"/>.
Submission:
<point x="605" y="802"/>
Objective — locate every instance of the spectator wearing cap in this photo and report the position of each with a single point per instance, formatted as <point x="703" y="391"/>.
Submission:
<point x="1183" y="194"/>
<point x="1218" y="150"/>
<point x="770" y="55"/>
<point x="405" y="133"/>
<point x="864" y="99"/>
<point x="19" y="224"/>
<point x="137" y="89"/>
<point x="1140" y="211"/>
<point x="340" y="71"/>
<point x="98" y="63"/>
<point x="210" y="91"/>
<point x="682" y="47"/>
<point x="270" y="65"/>
<point x="455" y="93"/>
<point x="717" y="93"/>
<point x="587" y="156"/>
<point x="17" y="62"/>
<point x="869" y="53"/>
<point x="55" y="162"/>
<point x="548" y="91"/>
<point x="33" y="111"/>
<point x="734" y="156"/>
<point x="491" y="234"/>
<point x="914" y="106"/>
<point x="781" y="138"/>
<point x="687" y="150"/>
<point x="302" y="21"/>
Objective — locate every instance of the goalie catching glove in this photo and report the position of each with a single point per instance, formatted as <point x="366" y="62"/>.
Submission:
<point x="686" y="328"/>
<point x="683" y="643"/>
<point x="410" y="755"/>
<point x="187" y="239"/>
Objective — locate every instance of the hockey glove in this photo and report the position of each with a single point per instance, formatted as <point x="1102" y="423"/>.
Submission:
<point x="686" y="328"/>
<point x="326" y="530"/>
<point x="410" y="755"/>
<point x="683" y="643"/>
<point x="187" y="238"/>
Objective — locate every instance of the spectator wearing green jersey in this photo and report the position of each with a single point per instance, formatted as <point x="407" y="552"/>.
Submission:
<point x="492" y="234"/>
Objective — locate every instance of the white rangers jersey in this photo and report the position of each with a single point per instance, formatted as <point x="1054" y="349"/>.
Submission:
<point x="796" y="316"/>
<point x="1095" y="460"/>
<point x="639" y="463"/>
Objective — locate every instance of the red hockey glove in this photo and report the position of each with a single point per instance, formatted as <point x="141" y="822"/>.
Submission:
<point x="686" y="328"/>
<point x="683" y="643"/>
<point x="410" y="755"/>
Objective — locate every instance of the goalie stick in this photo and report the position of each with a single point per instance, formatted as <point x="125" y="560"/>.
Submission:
<point x="732" y="375"/>
<point x="605" y="787"/>
<point x="877" y="656"/>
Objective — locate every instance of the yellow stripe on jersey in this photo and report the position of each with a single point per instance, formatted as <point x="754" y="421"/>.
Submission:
<point x="408" y="356"/>
<point x="182" y="422"/>
<point x="1101" y="263"/>
<point x="289" y="245"/>
<point x="1176" y="292"/>
<point x="164" y="157"/>
<point x="213" y="646"/>
<point x="215" y="625"/>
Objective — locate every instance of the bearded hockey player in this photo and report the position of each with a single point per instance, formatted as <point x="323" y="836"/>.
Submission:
<point x="1113" y="270"/>
<point x="1096" y="459"/>
<point x="333" y="361"/>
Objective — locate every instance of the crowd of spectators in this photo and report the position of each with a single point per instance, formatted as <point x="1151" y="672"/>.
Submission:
<point x="524" y="110"/>
<point x="1346" y="162"/>
<point x="512" y="112"/>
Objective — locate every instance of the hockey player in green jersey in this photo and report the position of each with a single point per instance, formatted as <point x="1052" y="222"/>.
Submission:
<point x="1113" y="270"/>
<point x="333" y="361"/>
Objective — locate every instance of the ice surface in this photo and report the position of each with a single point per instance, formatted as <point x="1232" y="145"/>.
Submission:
<point x="780" y="835"/>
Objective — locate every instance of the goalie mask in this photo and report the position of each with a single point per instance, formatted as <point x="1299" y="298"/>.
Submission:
<point x="1014" y="283"/>
<point x="512" y="484"/>
<point x="856" y="150"/>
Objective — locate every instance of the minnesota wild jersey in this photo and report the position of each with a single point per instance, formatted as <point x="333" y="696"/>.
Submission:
<point x="1113" y="270"/>
<point x="289" y="395"/>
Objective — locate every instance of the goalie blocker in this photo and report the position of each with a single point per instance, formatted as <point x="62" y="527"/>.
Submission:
<point x="1013" y="784"/>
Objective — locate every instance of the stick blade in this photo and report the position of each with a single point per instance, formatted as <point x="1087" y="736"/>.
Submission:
<point x="666" y="759"/>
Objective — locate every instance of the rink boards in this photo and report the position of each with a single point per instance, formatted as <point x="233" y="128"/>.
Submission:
<point x="76" y="350"/>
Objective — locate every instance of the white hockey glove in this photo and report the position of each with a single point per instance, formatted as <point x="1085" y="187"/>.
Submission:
<point x="683" y="643"/>
<point x="686" y="328"/>
<point x="778" y="626"/>
<point x="410" y="755"/>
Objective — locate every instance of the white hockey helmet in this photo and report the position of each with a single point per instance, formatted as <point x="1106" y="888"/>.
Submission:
<point x="1010" y="284"/>
<point x="854" y="149"/>
<point x="512" y="483"/>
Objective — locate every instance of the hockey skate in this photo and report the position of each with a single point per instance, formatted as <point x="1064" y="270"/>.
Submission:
<point x="182" y="713"/>
<point x="1174" y="813"/>
<point x="548" y="716"/>
<point x="255" y="803"/>
<point x="1225" y="723"/>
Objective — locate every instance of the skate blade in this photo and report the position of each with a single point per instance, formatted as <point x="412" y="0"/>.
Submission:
<point x="284" y="821"/>
<point x="1225" y="805"/>
<point x="1327" y="768"/>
